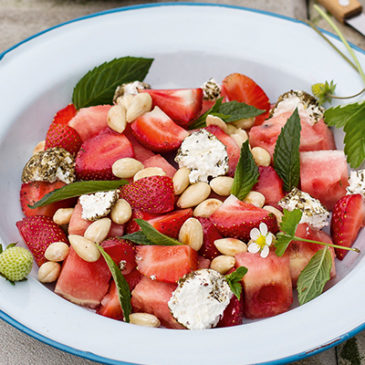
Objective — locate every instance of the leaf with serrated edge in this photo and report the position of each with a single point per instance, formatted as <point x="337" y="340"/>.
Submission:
<point x="138" y="237"/>
<point x="123" y="290"/>
<point x="338" y="116"/>
<point x="314" y="276"/>
<point x="246" y="175"/>
<point x="286" y="154"/>
<point x="235" y="110"/>
<point x="98" y="85"/>
<point x="282" y="242"/>
<point x="77" y="189"/>
<point x="234" y="278"/>
<point x="200" y="122"/>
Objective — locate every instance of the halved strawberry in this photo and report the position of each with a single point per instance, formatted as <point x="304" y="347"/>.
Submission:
<point x="161" y="162"/>
<point x="38" y="233"/>
<point x="32" y="192"/>
<point x="64" y="115"/>
<point x="158" y="132"/>
<point x="132" y="226"/>
<point x="166" y="263"/>
<point x="141" y="153"/>
<point x="96" y="156"/>
<point x="61" y="135"/>
<point x="235" y="218"/>
<point x="153" y="194"/>
<point x="348" y="217"/>
<point x="181" y="105"/>
<point x="233" y="314"/>
<point x="241" y="88"/>
<point x="133" y="278"/>
<point x="210" y="234"/>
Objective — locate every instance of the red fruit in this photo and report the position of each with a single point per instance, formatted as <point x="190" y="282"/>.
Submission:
<point x="64" y="115"/>
<point x="210" y="234"/>
<point x="153" y="194"/>
<point x="61" y="135"/>
<point x="241" y="88"/>
<point x="120" y="250"/>
<point x="32" y="192"/>
<point x="348" y="217"/>
<point x="110" y="305"/>
<point x="166" y="263"/>
<point x="132" y="225"/>
<point x="77" y="224"/>
<point x="181" y="105"/>
<point x="140" y="152"/>
<point x="233" y="314"/>
<point x="235" y="218"/>
<point x="158" y="132"/>
<point x="116" y="230"/>
<point x="203" y="263"/>
<point x="159" y="161"/>
<point x="270" y="185"/>
<point x="133" y="278"/>
<point x="207" y="104"/>
<point x="38" y="233"/>
<point x="97" y="155"/>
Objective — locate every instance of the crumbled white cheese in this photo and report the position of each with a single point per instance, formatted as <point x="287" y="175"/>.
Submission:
<point x="204" y="155"/>
<point x="357" y="183"/>
<point x="211" y="89"/>
<point x="98" y="205"/>
<point x="200" y="299"/>
<point x="314" y="214"/>
<point x="130" y="88"/>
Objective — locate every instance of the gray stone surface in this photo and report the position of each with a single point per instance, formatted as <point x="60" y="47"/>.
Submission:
<point x="22" y="18"/>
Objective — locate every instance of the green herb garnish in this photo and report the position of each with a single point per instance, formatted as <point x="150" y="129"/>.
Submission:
<point x="234" y="280"/>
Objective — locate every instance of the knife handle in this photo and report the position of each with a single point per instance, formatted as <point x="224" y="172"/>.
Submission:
<point x="342" y="9"/>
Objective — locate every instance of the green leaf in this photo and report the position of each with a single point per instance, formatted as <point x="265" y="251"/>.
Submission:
<point x="234" y="111"/>
<point x="314" y="276"/>
<point x="324" y="91"/>
<point x="77" y="189"/>
<point x="1" y="248"/>
<point x="286" y="154"/>
<point x="10" y="245"/>
<point x="246" y="175"/>
<point x="282" y="242"/>
<point x="138" y="237"/>
<point x="200" y="122"/>
<point x="124" y="293"/>
<point x="234" y="280"/>
<point x="98" y="85"/>
<point x="338" y="116"/>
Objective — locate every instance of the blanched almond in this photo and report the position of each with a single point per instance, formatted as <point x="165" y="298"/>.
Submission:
<point x="117" y="118"/>
<point x="223" y="263"/>
<point x="222" y="185"/>
<point x="230" y="246"/>
<point x="85" y="248"/>
<point x="240" y="137"/>
<point x="125" y="100"/>
<point x="57" y="251"/>
<point x="194" y="195"/>
<point x="255" y="198"/>
<point x="191" y="234"/>
<point x="149" y="171"/>
<point x="278" y="215"/>
<point x="140" y="104"/>
<point x="261" y="156"/>
<point x="144" y="319"/>
<point x="181" y="180"/>
<point x="127" y="167"/>
<point x="214" y="120"/>
<point x="63" y="216"/>
<point x="245" y="123"/>
<point x="207" y="208"/>
<point x="39" y="147"/>
<point x="121" y="212"/>
<point x="98" y="230"/>
<point x="49" y="272"/>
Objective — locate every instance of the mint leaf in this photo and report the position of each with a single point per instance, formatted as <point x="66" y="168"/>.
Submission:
<point x="246" y="175"/>
<point x="124" y="293"/>
<point x="234" y="280"/>
<point x="77" y="189"/>
<point x="314" y="276"/>
<point x="339" y="115"/>
<point x="98" y="85"/>
<point x="286" y="154"/>
<point x="200" y="122"/>
<point x="138" y="237"/>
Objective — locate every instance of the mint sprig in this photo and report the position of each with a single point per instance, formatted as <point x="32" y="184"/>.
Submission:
<point x="77" y="189"/>
<point x="286" y="153"/>
<point x="98" y="85"/>
<point x="234" y="280"/>
<point x="247" y="173"/>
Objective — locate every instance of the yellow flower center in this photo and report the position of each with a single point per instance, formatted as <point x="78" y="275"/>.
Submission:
<point x="261" y="241"/>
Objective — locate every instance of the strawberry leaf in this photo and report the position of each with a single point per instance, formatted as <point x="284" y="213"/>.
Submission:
<point x="286" y="154"/>
<point x="98" y="85"/>
<point x="338" y="116"/>
<point x="246" y="175"/>
<point x="314" y="276"/>
<point x="234" y="280"/>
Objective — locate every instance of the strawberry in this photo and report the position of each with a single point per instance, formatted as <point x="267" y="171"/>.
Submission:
<point x="210" y="234"/>
<point x="133" y="278"/>
<point x="16" y="263"/>
<point x="241" y="88"/>
<point x="233" y="314"/>
<point x="38" y="233"/>
<point x="235" y="218"/>
<point x="96" y="156"/>
<point x="181" y="105"/>
<point x="348" y="217"/>
<point x="153" y="194"/>
<point x="158" y="132"/>
<point x="64" y="115"/>
<point x="132" y="226"/>
<point x="61" y="135"/>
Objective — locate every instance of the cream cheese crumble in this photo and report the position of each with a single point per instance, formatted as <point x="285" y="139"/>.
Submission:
<point x="200" y="299"/>
<point x="204" y="155"/>
<point x="130" y="88"/>
<point x="314" y="213"/>
<point x="357" y="183"/>
<point x="211" y="89"/>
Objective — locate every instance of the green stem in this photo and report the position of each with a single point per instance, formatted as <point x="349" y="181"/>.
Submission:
<point x="347" y="97"/>
<point x="295" y="238"/>
<point x="344" y="41"/>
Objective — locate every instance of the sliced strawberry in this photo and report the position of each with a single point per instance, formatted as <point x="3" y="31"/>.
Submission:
<point x="96" y="156"/>
<point x="61" y="135"/>
<point x="64" y="115"/>
<point x="207" y="104"/>
<point x="181" y="105"/>
<point x="233" y="150"/>
<point x="235" y="218"/>
<point x="133" y="278"/>
<point x="158" y="132"/>
<point x="141" y="153"/>
<point x="233" y="314"/>
<point x="161" y="162"/>
<point x="210" y="234"/>
<point x="132" y="226"/>
<point x="166" y="263"/>
<point x="348" y="217"/>
<point x="241" y="88"/>
<point x="203" y="263"/>
<point x="32" y="192"/>
<point x="153" y="194"/>
<point x="38" y="233"/>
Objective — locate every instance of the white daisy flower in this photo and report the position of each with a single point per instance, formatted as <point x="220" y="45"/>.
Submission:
<point x="261" y="240"/>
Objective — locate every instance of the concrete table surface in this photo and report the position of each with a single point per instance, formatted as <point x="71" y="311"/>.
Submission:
<point x="22" y="18"/>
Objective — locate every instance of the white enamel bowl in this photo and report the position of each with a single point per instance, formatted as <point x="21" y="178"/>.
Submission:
<point x="190" y="43"/>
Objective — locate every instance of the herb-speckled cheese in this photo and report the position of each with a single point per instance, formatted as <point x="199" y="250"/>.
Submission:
<point x="211" y="90"/>
<point x="129" y="88"/>
<point x="204" y="155"/>
<point x="314" y="214"/>
<point x="200" y="299"/>
<point x="357" y="183"/>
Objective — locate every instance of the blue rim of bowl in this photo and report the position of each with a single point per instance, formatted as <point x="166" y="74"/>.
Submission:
<point x="97" y="358"/>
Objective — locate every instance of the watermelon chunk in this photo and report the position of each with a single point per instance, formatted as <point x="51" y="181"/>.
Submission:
<point x="77" y="224"/>
<point x="159" y="161"/>
<point x="324" y="175"/>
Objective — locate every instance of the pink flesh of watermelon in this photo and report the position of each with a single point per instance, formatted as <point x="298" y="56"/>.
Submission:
<point x="77" y="224"/>
<point x="324" y="175"/>
<point x="88" y="122"/>
<point x="159" y="161"/>
<point x="152" y="296"/>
